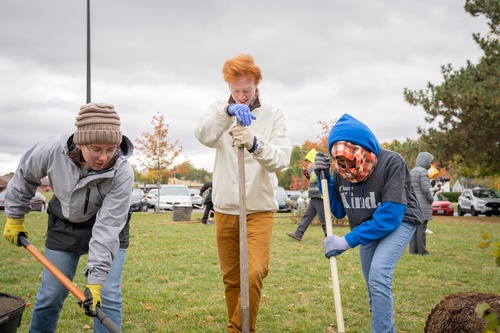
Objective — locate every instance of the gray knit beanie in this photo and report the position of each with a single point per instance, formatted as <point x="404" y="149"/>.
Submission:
<point x="97" y="123"/>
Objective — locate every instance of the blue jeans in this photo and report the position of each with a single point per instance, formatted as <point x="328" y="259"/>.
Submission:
<point x="51" y="294"/>
<point x="378" y="261"/>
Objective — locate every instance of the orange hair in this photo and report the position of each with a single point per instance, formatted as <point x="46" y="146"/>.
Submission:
<point x="241" y="65"/>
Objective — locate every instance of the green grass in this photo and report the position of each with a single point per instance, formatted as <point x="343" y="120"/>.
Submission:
<point x="171" y="277"/>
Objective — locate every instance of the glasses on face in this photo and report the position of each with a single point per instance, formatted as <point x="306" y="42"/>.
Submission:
<point x="97" y="152"/>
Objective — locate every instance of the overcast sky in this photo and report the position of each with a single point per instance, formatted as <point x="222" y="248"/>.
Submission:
<point x="319" y="59"/>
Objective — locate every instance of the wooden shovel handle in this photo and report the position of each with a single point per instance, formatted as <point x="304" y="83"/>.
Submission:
<point x="101" y="316"/>
<point x="333" y="259"/>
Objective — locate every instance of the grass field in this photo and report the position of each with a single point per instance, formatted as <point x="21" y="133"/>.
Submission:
<point x="171" y="277"/>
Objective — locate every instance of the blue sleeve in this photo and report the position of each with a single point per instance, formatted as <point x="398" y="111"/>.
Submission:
<point x="336" y="207"/>
<point x="386" y="218"/>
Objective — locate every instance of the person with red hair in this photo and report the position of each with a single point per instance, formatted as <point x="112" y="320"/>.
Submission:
<point x="262" y="132"/>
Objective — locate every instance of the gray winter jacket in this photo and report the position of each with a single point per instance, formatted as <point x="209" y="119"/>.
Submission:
<point x="99" y="199"/>
<point x="421" y="183"/>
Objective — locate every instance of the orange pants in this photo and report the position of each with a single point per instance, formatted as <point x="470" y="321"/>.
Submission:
<point x="259" y="232"/>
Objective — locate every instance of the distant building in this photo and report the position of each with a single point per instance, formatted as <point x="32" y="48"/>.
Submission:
<point x="4" y="180"/>
<point x="457" y="187"/>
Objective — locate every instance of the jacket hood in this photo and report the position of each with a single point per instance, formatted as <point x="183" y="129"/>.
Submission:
<point x="126" y="147"/>
<point x="348" y="128"/>
<point x="424" y="160"/>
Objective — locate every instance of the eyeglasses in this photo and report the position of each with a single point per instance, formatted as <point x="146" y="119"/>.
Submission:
<point x="97" y="152"/>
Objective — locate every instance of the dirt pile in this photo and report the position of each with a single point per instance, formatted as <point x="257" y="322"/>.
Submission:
<point x="456" y="313"/>
<point x="9" y="303"/>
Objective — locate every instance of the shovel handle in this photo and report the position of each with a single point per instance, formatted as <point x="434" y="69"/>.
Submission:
<point x="243" y="238"/>
<point x="333" y="260"/>
<point x="101" y="316"/>
<point x="50" y="266"/>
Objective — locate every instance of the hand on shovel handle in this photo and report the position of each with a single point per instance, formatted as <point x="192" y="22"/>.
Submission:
<point x="92" y="299"/>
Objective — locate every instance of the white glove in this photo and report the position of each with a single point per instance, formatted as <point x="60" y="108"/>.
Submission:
<point x="335" y="245"/>
<point x="242" y="137"/>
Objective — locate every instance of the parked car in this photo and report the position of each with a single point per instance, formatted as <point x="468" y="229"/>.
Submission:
<point x="196" y="198"/>
<point x="37" y="203"/>
<point x="2" y="200"/>
<point x="283" y="200"/>
<point x="442" y="205"/>
<point x="303" y="200"/>
<point x="174" y="195"/>
<point x="152" y="197"/>
<point x="479" y="201"/>
<point x="293" y="195"/>
<point x="139" y="202"/>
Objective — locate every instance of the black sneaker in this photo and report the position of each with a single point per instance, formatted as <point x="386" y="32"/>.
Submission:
<point x="294" y="236"/>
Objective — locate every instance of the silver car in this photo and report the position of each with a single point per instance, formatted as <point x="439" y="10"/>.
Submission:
<point x="283" y="200"/>
<point x="36" y="203"/>
<point x="152" y="197"/>
<point x="479" y="201"/>
<point x="174" y="195"/>
<point x="196" y="198"/>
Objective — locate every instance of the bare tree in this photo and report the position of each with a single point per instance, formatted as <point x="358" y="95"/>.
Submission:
<point x="157" y="152"/>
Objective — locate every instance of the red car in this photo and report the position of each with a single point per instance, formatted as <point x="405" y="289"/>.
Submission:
<point x="442" y="206"/>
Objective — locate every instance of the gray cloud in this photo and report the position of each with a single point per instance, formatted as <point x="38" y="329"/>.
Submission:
<point x="319" y="59"/>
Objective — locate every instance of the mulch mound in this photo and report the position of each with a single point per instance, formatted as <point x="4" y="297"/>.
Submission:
<point x="456" y="313"/>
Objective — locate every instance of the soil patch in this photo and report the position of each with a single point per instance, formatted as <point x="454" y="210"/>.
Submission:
<point x="456" y="313"/>
<point x="9" y="303"/>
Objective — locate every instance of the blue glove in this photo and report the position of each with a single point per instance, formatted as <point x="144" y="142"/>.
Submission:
<point x="334" y="245"/>
<point x="242" y="113"/>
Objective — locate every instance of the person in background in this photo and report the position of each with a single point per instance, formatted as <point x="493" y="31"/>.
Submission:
<point x="89" y="213"/>
<point x="435" y="184"/>
<point x="421" y="184"/>
<point x="315" y="206"/>
<point x="372" y="186"/>
<point x="267" y="150"/>
<point x="209" y="206"/>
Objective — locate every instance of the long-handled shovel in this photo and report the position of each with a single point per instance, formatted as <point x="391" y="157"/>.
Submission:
<point x="103" y="318"/>
<point x="244" y="289"/>
<point x="333" y="260"/>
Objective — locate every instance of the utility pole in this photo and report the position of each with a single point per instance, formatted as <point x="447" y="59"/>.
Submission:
<point x="88" y="52"/>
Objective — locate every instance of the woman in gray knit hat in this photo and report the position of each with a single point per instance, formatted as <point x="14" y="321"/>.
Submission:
<point x="89" y="213"/>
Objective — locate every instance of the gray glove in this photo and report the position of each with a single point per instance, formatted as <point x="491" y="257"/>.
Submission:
<point x="321" y="162"/>
<point x="334" y="245"/>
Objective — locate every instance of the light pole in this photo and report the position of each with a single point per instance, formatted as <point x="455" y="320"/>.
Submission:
<point x="88" y="51"/>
